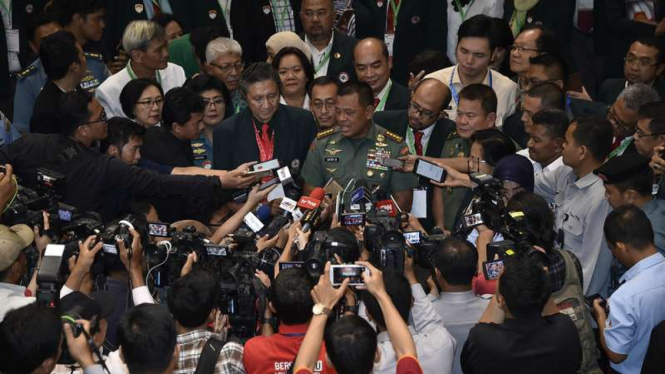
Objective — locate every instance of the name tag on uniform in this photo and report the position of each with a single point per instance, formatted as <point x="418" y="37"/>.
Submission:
<point x="419" y="204"/>
<point x="331" y="159"/>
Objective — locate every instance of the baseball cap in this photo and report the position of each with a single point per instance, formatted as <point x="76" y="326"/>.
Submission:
<point x="12" y="241"/>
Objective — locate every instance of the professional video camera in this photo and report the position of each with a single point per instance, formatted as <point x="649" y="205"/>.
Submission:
<point x="487" y="206"/>
<point x="321" y="249"/>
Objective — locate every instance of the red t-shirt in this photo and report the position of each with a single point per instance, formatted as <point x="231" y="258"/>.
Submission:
<point x="275" y="354"/>
<point x="405" y="365"/>
<point x="482" y="286"/>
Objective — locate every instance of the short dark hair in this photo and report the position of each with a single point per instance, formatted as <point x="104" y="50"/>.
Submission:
<point x="457" y="260"/>
<point x="200" y="37"/>
<point x="629" y="224"/>
<point x="58" y="52"/>
<point x="364" y="91"/>
<point x="132" y="92"/>
<point x="496" y="145"/>
<point x="204" y="82"/>
<point x="550" y="95"/>
<point x="483" y="93"/>
<point x="655" y="112"/>
<point x="349" y="250"/>
<point x="555" y="66"/>
<point x="179" y="104"/>
<point x="555" y="122"/>
<point x="400" y="293"/>
<point x="642" y="183"/>
<point x="290" y="295"/>
<point x="322" y="81"/>
<point x="351" y="345"/>
<point x="538" y="217"/>
<point x="65" y="10"/>
<point x="430" y="60"/>
<point x="147" y="337"/>
<point x="546" y="41"/>
<point x="163" y="19"/>
<point x="501" y="35"/>
<point x="42" y="19"/>
<point x="28" y="336"/>
<point x="258" y="72"/>
<point x="304" y="61"/>
<point x="478" y="26"/>
<point x="73" y="111"/>
<point x="119" y="132"/>
<point x="596" y="134"/>
<point x="653" y="42"/>
<point x="525" y="287"/>
<point x="193" y="297"/>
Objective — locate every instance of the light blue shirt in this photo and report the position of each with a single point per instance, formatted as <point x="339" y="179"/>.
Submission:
<point x="150" y="11"/>
<point x="635" y="309"/>
<point x="655" y="211"/>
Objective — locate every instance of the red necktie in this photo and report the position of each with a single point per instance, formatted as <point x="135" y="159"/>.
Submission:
<point x="419" y="146"/>
<point x="390" y="25"/>
<point x="157" y="9"/>
<point x="376" y="102"/>
<point x="265" y="136"/>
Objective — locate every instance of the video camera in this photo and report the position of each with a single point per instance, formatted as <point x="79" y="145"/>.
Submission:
<point x="487" y="206"/>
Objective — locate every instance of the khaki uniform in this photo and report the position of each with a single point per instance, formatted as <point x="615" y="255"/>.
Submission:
<point x="454" y="146"/>
<point x="343" y="159"/>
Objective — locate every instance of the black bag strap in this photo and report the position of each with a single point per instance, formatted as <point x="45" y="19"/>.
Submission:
<point x="209" y="355"/>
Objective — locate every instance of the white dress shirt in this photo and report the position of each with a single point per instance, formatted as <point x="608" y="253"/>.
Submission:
<point x="108" y="93"/>
<point x="305" y="104"/>
<point x="504" y="87"/>
<point x="318" y="55"/>
<point x="385" y="91"/>
<point x="427" y="134"/>
<point x="537" y="166"/>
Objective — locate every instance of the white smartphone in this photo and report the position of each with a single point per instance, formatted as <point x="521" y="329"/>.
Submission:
<point x="264" y="167"/>
<point x="354" y="272"/>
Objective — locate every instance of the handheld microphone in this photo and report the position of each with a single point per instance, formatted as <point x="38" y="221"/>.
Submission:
<point x="386" y="203"/>
<point x="311" y="205"/>
<point x="361" y="198"/>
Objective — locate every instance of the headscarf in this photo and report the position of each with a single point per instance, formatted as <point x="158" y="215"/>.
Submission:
<point x="519" y="15"/>
<point x="288" y="39"/>
<point x="515" y="168"/>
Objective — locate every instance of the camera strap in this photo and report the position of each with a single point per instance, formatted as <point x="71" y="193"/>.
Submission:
<point x="209" y="355"/>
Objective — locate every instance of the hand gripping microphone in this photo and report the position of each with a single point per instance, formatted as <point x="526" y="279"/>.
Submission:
<point x="311" y="204"/>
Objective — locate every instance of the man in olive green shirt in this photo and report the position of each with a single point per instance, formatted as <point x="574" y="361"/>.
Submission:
<point x="354" y="149"/>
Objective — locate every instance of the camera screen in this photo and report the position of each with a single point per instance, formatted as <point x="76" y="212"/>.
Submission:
<point x="65" y="215"/>
<point x="158" y="229"/>
<point x="353" y="272"/>
<point x="492" y="269"/>
<point x="429" y="170"/>
<point x="473" y="220"/>
<point x="216" y="250"/>
<point x="268" y="165"/>
<point x="412" y="237"/>
<point x="110" y="248"/>
<point x="353" y="219"/>
<point x="290" y="265"/>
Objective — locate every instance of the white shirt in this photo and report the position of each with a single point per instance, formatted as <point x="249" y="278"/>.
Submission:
<point x="305" y="104"/>
<point x="491" y="8"/>
<point x="537" y="166"/>
<point x="427" y="133"/>
<point x="384" y="92"/>
<point x="12" y="297"/>
<point x="113" y="362"/>
<point x="504" y="87"/>
<point x="318" y="55"/>
<point x="108" y="93"/>
<point x="434" y="344"/>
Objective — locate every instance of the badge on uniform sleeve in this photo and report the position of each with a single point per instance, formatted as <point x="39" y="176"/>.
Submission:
<point x="266" y="9"/>
<point x="212" y="14"/>
<point x="138" y="8"/>
<point x="415" y="20"/>
<point x="29" y="8"/>
<point x="343" y="77"/>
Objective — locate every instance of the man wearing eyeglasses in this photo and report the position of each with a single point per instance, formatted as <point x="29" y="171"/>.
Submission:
<point x="224" y="62"/>
<point x="650" y="140"/>
<point x="532" y="41"/>
<point x="323" y="93"/>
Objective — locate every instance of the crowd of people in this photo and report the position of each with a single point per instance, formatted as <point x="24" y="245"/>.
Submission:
<point x="302" y="186"/>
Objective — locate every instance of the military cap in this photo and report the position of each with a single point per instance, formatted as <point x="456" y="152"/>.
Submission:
<point x="623" y="168"/>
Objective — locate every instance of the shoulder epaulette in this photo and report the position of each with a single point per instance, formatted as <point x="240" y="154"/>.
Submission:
<point x="327" y="132"/>
<point x="391" y="135"/>
<point x="453" y="134"/>
<point x="27" y="72"/>
<point x="94" y="56"/>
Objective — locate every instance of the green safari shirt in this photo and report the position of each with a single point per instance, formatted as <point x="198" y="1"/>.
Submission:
<point x="454" y="146"/>
<point x="331" y="155"/>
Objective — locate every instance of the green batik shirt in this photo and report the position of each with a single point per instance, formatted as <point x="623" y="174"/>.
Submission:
<point x="343" y="159"/>
<point x="454" y="146"/>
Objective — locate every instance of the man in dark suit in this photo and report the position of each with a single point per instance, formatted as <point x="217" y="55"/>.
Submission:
<point x="332" y="51"/>
<point x="372" y="65"/>
<point x="423" y="24"/>
<point x="265" y="130"/>
<point x="253" y="22"/>
<point x="425" y="127"/>
<point x="119" y="13"/>
<point x="643" y="64"/>
<point x="200" y="13"/>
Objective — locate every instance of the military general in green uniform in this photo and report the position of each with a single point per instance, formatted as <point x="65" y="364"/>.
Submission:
<point x="354" y="149"/>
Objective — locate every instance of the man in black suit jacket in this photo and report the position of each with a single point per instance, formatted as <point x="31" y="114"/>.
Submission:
<point x="423" y="24"/>
<point x="200" y="13"/>
<point x="253" y="23"/>
<point x="265" y="130"/>
<point x="424" y="126"/>
<point x="372" y="65"/>
<point x="332" y="51"/>
<point x="119" y="13"/>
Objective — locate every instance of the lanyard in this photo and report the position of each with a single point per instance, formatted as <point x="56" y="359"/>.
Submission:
<point x="382" y="102"/>
<point x="323" y="61"/>
<point x="132" y="76"/>
<point x="265" y="154"/>
<point x="6" y="6"/>
<point x="411" y="142"/>
<point x="395" y="11"/>
<point x="281" y="15"/>
<point x="463" y="13"/>
<point x="225" y="7"/>
<point x="453" y="90"/>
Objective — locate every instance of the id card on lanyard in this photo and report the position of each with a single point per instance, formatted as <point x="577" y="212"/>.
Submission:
<point x="453" y="90"/>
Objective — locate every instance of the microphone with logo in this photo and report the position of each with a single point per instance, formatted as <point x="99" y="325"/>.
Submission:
<point x="311" y="206"/>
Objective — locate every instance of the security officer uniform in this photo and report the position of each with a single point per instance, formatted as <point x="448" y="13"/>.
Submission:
<point x="31" y="81"/>
<point x="343" y="159"/>
<point x="454" y="146"/>
<point x="202" y="149"/>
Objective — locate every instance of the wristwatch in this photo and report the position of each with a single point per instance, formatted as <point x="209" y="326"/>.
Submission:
<point x="320" y="309"/>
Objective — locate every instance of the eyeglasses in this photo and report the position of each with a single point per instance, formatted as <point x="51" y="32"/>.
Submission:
<point x="422" y="113"/>
<point x="521" y="49"/>
<point x="149" y="103"/>
<point x="642" y="134"/>
<point x="226" y="68"/>
<point x="474" y="164"/>
<point x="102" y="118"/>
<point x="318" y="105"/>
<point x="641" y="62"/>
<point x="613" y="118"/>
<point x="216" y="102"/>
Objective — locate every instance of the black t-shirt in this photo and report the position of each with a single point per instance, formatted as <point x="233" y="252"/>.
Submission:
<point x="162" y="147"/>
<point x="542" y="345"/>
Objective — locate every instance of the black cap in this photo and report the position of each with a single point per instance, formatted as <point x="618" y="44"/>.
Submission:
<point x="622" y="168"/>
<point x="102" y="305"/>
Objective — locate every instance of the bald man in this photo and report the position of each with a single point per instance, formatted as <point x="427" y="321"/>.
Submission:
<point x="424" y="125"/>
<point x="372" y="65"/>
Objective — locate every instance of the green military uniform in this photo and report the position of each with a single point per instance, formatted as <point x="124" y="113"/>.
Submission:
<point x="454" y="146"/>
<point x="333" y="155"/>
